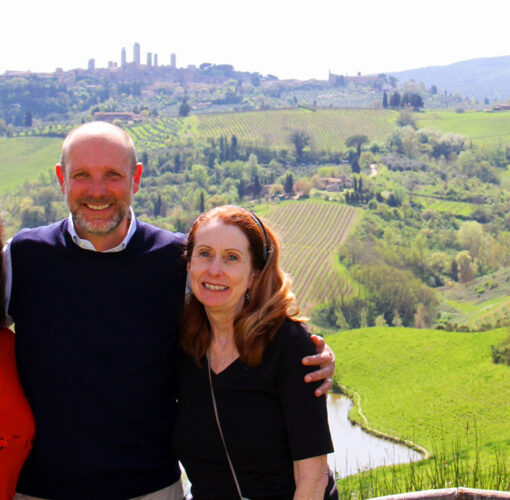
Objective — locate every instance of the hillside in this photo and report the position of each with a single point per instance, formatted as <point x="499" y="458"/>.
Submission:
<point x="26" y="158"/>
<point x="487" y="77"/>
<point x="311" y="233"/>
<point x="328" y="128"/>
<point x="481" y="127"/>
<point x="426" y="385"/>
<point x="479" y="304"/>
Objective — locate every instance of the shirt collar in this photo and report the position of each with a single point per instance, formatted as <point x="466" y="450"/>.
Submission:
<point x="87" y="245"/>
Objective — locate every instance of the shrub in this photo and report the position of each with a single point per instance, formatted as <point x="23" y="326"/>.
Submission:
<point x="501" y="352"/>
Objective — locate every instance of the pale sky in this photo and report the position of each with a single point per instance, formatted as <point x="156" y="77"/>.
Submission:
<point x="287" y="38"/>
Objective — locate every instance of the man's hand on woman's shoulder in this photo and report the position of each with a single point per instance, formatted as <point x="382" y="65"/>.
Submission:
<point x="325" y="359"/>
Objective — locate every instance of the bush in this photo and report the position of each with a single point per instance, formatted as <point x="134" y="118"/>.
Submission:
<point x="324" y="315"/>
<point x="501" y="352"/>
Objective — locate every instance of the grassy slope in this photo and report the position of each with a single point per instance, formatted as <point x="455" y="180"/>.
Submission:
<point x="421" y="384"/>
<point x="25" y="158"/>
<point x="329" y="128"/>
<point x="481" y="127"/>
<point x="457" y="208"/>
<point x="479" y="302"/>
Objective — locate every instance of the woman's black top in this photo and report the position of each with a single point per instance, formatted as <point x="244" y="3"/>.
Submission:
<point x="269" y="417"/>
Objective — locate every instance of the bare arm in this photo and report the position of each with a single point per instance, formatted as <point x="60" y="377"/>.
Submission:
<point x="325" y="359"/>
<point x="311" y="478"/>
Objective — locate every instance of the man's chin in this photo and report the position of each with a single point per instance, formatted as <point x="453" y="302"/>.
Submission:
<point x="97" y="228"/>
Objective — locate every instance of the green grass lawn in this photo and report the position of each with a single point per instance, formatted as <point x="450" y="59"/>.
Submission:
<point x="426" y="385"/>
<point x="481" y="127"/>
<point x="25" y="158"/>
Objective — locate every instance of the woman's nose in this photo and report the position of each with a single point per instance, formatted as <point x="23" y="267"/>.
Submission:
<point x="215" y="266"/>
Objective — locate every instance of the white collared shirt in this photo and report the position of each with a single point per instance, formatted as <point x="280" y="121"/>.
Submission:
<point x="87" y="245"/>
<point x="80" y="242"/>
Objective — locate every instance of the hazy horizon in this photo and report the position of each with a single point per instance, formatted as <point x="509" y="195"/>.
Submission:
<point x="300" y="40"/>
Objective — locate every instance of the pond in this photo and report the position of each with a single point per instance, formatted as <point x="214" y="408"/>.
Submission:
<point x="356" y="450"/>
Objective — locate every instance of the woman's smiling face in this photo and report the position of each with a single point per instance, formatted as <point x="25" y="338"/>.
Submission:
<point x="220" y="270"/>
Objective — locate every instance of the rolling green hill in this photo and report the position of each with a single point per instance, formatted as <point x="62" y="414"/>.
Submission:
<point x="329" y="128"/>
<point x="481" y="127"/>
<point x="25" y="158"/>
<point x="479" y="304"/>
<point x="426" y="385"/>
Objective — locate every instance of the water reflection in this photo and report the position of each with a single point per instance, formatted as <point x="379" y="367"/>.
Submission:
<point x="356" y="450"/>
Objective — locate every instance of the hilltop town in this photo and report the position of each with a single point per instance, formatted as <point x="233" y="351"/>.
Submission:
<point x="137" y="86"/>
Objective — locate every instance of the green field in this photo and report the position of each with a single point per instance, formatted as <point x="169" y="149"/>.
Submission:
<point x="481" y="303"/>
<point x="482" y="315"/>
<point x="429" y="385"/>
<point x="481" y="127"/>
<point x="456" y="208"/>
<point x="311" y="232"/>
<point x="25" y="158"/>
<point x="329" y="128"/>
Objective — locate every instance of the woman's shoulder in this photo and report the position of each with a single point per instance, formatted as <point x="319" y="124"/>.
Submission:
<point x="294" y="334"/>
<point x="294" y="330"/>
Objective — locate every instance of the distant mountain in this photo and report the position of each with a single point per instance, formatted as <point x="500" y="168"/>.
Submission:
<point x="487" y="77"/>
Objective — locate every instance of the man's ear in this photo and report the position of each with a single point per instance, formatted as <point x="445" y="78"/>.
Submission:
<point x="60" y="176"/>
<point x="137" y="177"/>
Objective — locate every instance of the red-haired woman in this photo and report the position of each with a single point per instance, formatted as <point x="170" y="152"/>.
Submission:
<point x="16" y="421"/>
<point x="247" y="425"/>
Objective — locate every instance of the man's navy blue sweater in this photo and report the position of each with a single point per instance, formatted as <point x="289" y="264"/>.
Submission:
<point x="96" y="337"/>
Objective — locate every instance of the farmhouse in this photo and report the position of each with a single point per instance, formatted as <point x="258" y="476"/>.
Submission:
<point x="334" y="184"/>
<point x="501" y="107"/>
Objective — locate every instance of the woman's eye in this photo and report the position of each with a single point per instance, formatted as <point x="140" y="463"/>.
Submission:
<point x="232" y="258"/>
<point x="203" y="253"/>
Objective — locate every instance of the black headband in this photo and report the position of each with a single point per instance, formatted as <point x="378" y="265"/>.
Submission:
<point x="263" y="229"/>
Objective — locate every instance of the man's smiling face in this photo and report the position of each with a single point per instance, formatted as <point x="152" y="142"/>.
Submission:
<point x="98" y="182"/>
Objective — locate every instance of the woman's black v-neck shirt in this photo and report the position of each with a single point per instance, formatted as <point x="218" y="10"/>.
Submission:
<point x="269" y="418"/>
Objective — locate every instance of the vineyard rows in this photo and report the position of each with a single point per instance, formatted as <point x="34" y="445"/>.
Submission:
<point x="154" y="133"/>
<point x="311" y="233"/>
<point x="328" y="128"/>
